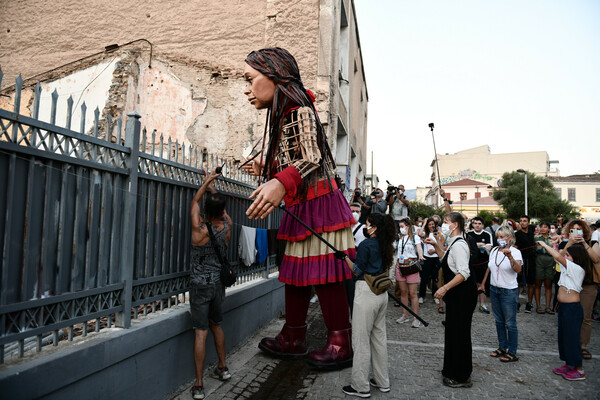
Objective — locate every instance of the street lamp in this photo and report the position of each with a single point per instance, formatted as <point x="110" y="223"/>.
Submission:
<point x="477" y="197"/>
<point x="522" y="171"/>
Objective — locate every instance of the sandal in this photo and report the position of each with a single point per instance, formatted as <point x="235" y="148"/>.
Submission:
<point x="441" y="309"/>
<point x="586" y="354"/>
<point x="509" y="358"/>
<point x="549" y="311"/>
<point x="540" y="310"/>
<point x="498" y="353"/>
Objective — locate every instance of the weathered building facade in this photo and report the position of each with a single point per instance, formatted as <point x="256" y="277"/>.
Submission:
<point x="179" y="64"/>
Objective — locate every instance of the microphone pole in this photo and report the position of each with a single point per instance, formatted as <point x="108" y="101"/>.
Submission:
<point x="437" y="164"/>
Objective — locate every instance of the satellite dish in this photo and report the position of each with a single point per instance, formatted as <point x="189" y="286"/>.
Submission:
<point x="499" y="183"/>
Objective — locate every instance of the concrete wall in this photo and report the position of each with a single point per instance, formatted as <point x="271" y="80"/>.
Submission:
<point x="147" y="361"/>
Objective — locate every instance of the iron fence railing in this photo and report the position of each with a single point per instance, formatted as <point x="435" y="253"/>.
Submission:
<point x="94" y="232"/>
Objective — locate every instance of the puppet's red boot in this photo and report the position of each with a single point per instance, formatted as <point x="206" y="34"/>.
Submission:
<point x="337" y="353"/>
<point x="289" y="344"/>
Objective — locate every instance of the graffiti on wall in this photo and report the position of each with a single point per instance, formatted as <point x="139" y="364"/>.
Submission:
<point x="468" y="174"/>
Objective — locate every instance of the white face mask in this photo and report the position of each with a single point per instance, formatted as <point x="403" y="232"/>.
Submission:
<point x="403" y="231"/>
<point x="356" y="216"/>
<point x="446" y="231"/>
<point x="552" y="230"/>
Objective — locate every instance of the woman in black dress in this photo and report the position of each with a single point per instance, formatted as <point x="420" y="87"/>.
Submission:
<point x="460" y="295"/>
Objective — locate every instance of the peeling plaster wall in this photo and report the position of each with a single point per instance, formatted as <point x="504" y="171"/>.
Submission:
<point x="193" y="92"/>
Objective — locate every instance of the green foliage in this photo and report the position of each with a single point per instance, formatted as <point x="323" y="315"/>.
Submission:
<point x="423" y="210"/>
<point x="488" y="215"/>
<point x="543" y="202"/>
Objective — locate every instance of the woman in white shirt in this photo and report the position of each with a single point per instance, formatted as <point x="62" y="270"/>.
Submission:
<point x="408" y="253"/>
<point x="460" y="295"/>
<point x="574" y="266"/>
<point x="504" y="266"/>
<point x="431" y="265"/>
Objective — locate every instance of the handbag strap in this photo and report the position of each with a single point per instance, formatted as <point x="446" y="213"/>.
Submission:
<point x="213" y="242"/>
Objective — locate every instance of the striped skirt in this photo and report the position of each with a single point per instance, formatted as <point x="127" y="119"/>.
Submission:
<point x="307" y="260"/>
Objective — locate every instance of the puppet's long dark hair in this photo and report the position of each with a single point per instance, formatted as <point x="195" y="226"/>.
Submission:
<point x="281" y="67"/>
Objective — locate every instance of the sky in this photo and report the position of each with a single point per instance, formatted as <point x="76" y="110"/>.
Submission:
<point x="516" y="75"/>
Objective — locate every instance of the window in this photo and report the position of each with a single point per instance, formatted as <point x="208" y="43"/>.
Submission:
<point x="463" y="195"/>
<point x="490" y="194"/>
<point x="558" y="192"/>
<point x="597" y="194"/>
<point x="477" y="195"/>
<point x="571" y="194"/>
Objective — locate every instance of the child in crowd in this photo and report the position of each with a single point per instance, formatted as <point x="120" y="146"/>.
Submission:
<point x="574" y="266"/>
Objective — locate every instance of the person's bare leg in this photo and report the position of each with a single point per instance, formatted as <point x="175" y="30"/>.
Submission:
<point x="199" y="353"/>
<point x="219" y="337"/>
<point x="414" y="298"/>
<point x="481" y="299"/>
<point x="538" y="292"/>
<point x="404" y="297"/>
<point x="548" y="291"/>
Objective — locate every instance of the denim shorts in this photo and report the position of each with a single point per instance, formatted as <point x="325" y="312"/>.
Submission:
<point x="205" y="305"/>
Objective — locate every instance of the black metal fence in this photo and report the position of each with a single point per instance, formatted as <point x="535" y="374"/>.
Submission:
<point x="95" y="226"/>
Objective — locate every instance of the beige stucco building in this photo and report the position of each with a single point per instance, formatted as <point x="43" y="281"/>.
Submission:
<point x="583" y="191"/>
<point x="481" y="165"/>
<point x="179" y="64"/>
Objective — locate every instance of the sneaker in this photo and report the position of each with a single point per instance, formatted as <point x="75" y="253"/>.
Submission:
<point x="574" y="375"/>
<point x="436" y="301"/>
<point x="381" y="388"/>
<point x="420" y="300"/>
<point x="198" y="392"/>
<point x="484" y="309"/>
<point x="402" y="319"/>
<point x="349" y="390"/>
<point x="528" y="307"/>
<point x="456" y="384"/>
<point x="221" y="374"/>
<point x="416" y="323"/>
<point x="562" y="370"/>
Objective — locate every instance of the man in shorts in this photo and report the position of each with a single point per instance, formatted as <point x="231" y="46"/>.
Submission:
<point x="206" y="291"/>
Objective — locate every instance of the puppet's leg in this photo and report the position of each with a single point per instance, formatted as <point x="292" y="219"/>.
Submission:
<point x="291" y="341"/>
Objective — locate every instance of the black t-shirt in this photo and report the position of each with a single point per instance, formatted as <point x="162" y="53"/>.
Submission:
<point x="526" y="242"/>
<point x="482" y="237"/>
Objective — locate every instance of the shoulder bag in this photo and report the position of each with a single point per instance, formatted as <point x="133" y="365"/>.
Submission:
<point x="228" y="275"/>
<point x="378" y="283"/>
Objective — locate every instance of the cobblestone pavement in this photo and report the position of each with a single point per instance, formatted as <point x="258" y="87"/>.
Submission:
<point x="415" y="362"/>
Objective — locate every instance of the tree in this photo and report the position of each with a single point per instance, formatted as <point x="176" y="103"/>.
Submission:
<point x="488" y="215"/>
<point x="543" y="202"/>
<point x="418" y="209"/>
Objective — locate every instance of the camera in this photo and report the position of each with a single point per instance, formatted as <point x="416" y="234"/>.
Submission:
<point x="356" y="196"/>
<point x="431" y="125"/>
<point x="392" y="189"/>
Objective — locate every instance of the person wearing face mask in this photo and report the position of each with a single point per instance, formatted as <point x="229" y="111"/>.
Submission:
<point x="409" y="253"/>
<point x="504" y="265"/>
<point x="460" y="295"/>
<point x="375" y="256"/>
<point x="544" y="269"/>
<point x="431" y="265"/>
<point x="359" y="236"/>
<point x="398" y="204"/>
<point x="578" y="232"/>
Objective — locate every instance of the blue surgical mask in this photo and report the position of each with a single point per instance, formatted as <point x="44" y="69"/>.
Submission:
<point x="502" y="243"/>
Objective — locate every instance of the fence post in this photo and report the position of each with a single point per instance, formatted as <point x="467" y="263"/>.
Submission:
<point x="132" y="140"/>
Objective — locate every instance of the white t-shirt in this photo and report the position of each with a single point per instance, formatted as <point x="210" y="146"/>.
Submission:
<point x="404" y="243"/>
<point x="501" y="273"/>
<point x="428" y="246"/>
<point x="596" y="235"/>
<point x="571" y="276"/>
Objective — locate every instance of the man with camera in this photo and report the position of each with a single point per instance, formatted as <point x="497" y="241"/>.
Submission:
<point x="357" y="198"/>
<point x="398" y="203"/>
<point x="375" y="204"/>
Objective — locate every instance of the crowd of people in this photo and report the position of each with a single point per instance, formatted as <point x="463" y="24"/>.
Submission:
<point x="465" y="263"/>
<point x="347" y="251"/>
